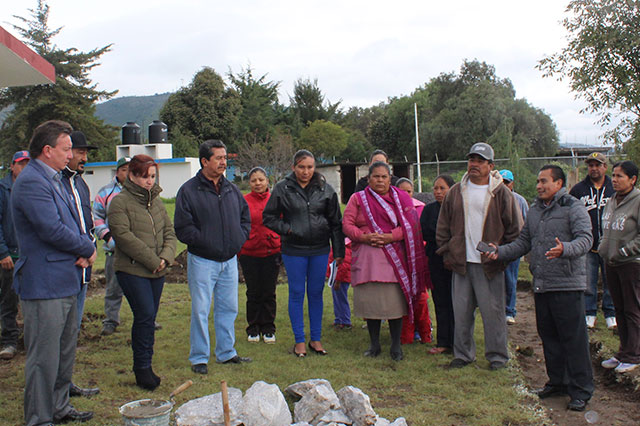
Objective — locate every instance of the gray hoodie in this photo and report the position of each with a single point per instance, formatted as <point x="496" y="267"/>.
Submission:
<point x="567" y="219"/>
<point x="621" y="230"/>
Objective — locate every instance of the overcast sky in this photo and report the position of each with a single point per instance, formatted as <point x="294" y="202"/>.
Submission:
<point x="361" y="52"/>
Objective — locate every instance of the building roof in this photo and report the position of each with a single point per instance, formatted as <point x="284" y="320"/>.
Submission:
<point x="20" y="65"/>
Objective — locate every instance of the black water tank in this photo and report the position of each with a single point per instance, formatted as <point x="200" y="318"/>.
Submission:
<point x="131" y="134"/>
<point x="157" y="132"/>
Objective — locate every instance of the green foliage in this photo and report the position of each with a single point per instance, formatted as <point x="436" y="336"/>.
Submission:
<point x="71" y="99"/>
<point x="139" y="109"/>
<point x="205" y="109"/>
<point x="324" y="139"/>
<point x="455" y="111"/>
<point x="259" y="100"/>
<point x="601" y="60"/>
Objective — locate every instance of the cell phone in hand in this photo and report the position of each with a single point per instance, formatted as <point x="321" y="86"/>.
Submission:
<point x="485" y="248"/>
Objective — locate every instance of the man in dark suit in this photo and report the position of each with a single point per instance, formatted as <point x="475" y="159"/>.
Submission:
<point x="47" y="277"/>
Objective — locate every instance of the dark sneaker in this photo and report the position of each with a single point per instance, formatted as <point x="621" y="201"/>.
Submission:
<point x="577" y="405"/>
<point x="550" y="390"/>
<point x="108" y="329"/>
<point x="235" y="360"/>
<point x="458" y="363"/>
<point x="497" y="365"/>
<point x="200" y="368"/>
<point x="8" y="352"/>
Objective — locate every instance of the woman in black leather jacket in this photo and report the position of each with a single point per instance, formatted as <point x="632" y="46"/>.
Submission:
<point x="305" y="211"/>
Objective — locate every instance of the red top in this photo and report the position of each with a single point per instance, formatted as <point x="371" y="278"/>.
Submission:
<point x="262" y="241"/>
<point x="344" y="270"/>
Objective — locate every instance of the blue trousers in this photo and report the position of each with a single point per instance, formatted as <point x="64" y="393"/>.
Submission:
<point x="594" y="265"/>
<point x="143" y="295"/>
<point x="82" y="295"/>
<point x="341" y="309"/>
<point x="306" y="274"/>
<point x="209" y="280"/>
<point x="510" y="284"/>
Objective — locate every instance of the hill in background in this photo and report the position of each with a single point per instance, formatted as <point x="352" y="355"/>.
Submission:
<point x="140" y="109"/>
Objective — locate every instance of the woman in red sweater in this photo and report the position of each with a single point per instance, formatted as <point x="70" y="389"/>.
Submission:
<point x="260" y="261"/>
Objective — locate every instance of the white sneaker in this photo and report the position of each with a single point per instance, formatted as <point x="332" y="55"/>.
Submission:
<point x="8" y="352"/>
<point x="253" y="338"/>
<point x="623" y="367"/>
<point x="269" y="338"/>
<point x="510" y="320"/>
<point x="611" y="323"/>
<point x="591" y="321"/>
<point x="610" y="363"/>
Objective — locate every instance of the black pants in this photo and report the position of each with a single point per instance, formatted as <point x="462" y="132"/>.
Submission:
<point x="261" y="275"/>
<point x="8" y="310"/>
<point x="561" y="326"/>
<point x="441" y="293"/>
<point x="624" y="286"/>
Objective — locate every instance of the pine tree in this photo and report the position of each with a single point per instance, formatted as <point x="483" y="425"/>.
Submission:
<point x="71" y="99"/>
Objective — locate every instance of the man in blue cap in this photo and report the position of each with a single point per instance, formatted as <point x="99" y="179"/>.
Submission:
<point x="511" y="273"/>
<point x="8" y="256"/>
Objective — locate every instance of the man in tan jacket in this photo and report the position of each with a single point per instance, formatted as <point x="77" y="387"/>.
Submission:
<point x="479" y="208"/>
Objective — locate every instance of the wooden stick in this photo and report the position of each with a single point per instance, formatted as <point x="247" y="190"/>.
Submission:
<point x="225" y="404"/>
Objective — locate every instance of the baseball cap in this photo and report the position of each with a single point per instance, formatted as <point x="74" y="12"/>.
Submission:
<point x="20" y="155"/>
<point x="79" y="140"/>
<point x="506" y="175"/>
<point x="122" y="161"/>
<point x="596" y="156"/>
<point x="482" y="149"/>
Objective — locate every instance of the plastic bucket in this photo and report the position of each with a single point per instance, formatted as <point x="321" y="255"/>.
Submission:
<point x="146" y="412"/>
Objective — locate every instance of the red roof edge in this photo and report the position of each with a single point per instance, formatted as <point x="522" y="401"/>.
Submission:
<point x="29" y="56"/>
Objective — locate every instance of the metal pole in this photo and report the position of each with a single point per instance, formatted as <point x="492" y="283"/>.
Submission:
<point x="415" y="109"/>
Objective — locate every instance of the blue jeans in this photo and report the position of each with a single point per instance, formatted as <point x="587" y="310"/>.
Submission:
<point x="341" y="309"/>
<point x="143" y="295"/>
<point x="510" y="284"/>
<point x="218" y="280"/>
<point x="82" y="295"/>
<point x="595" y="262"/>
<point x="306" y="273"/>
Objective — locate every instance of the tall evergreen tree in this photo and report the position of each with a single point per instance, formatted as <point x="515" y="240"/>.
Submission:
<point x="71" y="99"/>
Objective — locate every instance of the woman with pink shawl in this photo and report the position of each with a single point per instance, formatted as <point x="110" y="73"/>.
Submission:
<point x="388" y="264"/>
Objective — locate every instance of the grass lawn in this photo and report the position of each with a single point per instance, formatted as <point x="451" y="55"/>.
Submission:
<point x="419" y="388"/>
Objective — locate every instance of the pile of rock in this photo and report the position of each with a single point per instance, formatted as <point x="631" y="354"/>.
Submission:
<point x="265" y="405"/>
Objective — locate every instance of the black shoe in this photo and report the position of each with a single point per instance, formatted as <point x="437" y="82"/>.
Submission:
<point x="108" y="329"/>
<point x="551" y="390"/>
<point x="372" y="352"/>
<point x="156" y="377"/>
<point x="235" y="360"/>
<point x="397" y="356"/>
<point x="200" y="368"/>
<point x="74" y="416"/>
<point x="577" y="405"/>
<point x="145" y="379"/>
<point x="86" y="392"/>
<point x="458" y="363"/>
<point x="497" y="365"/>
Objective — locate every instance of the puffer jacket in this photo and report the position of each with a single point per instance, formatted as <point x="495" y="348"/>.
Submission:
<point x="307" y="219"/>
<point x="564" y="218"/>
<point x="621" y="230"/>
<point x="142" y="230"/>
<point x="8" y="239"/>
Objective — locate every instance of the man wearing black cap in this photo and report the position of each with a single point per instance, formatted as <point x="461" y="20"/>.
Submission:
<point x="594" y="191"/>
<point x="479" y="209"/>
<point x="8" y="256"/>
<point x="81" y="197"/>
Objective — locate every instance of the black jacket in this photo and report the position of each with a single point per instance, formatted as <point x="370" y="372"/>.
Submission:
<point x="70" y="180"/>
<point x="212" y="225"/>
<point x="306" y="218"/>
<point x="594" y="200"/>
<point x="8" y="240"/>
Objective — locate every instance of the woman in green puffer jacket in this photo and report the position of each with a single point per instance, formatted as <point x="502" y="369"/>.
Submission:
<point x="145" y="246"/>
<point x="620" y="249"/>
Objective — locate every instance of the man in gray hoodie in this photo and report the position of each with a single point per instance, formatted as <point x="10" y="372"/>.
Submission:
<point x="557" y="233"/>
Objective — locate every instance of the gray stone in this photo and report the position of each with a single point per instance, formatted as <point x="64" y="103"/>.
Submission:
<point x="400" y="421"/>
<point x="301" y="424"/>
<point x="335" y="416"/>
<point x="207" y="411"/>
<point x="330" y="424"/>
<point x="264" y="405"/>
<point x="382" y="422"/>
<point x="317" y="401"/>
<point x="297" y="390"/>
<point x="357" y="406"/>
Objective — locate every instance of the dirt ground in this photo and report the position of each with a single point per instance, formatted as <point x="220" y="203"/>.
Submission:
<point x="614" y="403"/>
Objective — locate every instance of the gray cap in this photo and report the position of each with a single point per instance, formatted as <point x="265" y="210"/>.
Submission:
<point x="482" y="149"/>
